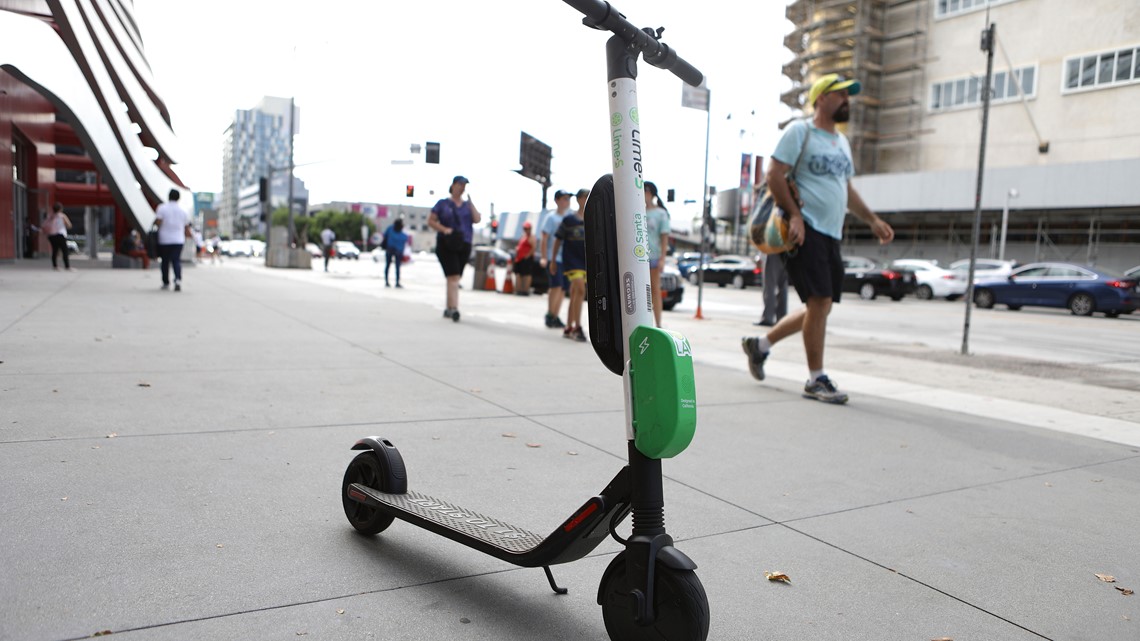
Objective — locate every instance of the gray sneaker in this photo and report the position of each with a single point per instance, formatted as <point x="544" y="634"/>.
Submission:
<point x="822" y="389"/>
<point x="756" y="358"/>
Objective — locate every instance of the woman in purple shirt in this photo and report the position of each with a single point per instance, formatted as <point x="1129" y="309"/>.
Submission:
<point x="452" y="219"/>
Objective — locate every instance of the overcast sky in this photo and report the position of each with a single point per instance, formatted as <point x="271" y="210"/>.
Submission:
<point x="372" y="77"/>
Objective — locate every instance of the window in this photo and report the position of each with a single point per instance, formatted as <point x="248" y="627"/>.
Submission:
<point x="949" y="8"/>
<point x="967" y="92"/>
<point x="1101" y="70"/>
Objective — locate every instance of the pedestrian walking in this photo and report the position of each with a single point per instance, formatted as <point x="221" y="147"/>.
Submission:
<point x="657" y="234"/>
<point x="452" y="218"/>
<point x="215" y="249"/>
<point x="328" y="238"/>
<point x="524" y="260"/>
<point x="815" y="226"/>
<point x="570" y="242"/>
<point x="775" y="291"/>
<point x="548" y="258"/>
<point x="55" y="228"/>
<point x="173" y="230"/>
<point x="394" y="242"/>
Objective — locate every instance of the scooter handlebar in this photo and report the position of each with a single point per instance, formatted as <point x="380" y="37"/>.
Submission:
<point x="603" y="15"/>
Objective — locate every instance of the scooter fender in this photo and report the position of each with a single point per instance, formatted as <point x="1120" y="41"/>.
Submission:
<point x="675" y="559"/>
<point x="390" y="460"/>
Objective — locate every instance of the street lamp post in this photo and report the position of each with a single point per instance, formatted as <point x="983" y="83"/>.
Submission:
<point x="1012" y="193"/>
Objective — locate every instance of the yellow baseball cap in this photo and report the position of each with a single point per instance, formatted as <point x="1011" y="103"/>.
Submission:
<point x="832" y="82"/>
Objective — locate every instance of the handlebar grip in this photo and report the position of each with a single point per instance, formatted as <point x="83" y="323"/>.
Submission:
<point x="667" y="59"/>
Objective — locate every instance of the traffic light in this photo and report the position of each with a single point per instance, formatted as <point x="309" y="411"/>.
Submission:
<point x="411" y="190"/>
<point x="262" y="189"/>
<point x="432" y="153"/>
<point x="670" y="195"/>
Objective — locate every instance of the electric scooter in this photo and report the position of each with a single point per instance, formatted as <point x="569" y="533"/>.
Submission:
<point x="650" y="589"/>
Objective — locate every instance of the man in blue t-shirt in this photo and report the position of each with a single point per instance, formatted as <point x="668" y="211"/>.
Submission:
<point x="570" y="239"/>
<point x="394" y="241"/>
<point x="551" y="260"/>
<point x="821" y="158"/>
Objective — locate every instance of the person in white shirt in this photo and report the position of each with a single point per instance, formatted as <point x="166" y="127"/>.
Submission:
<point x="173" y="230"/>
<point x="55" y="228"/>
<point x="328" y="237"/>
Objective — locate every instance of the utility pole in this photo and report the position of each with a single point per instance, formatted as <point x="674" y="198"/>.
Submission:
<point x="292" y="228"/>
<point x="987" y="46"/>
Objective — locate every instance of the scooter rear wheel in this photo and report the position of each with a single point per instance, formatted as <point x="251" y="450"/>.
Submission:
<point x="679" y="600"/>
<point x="366" y="470"/>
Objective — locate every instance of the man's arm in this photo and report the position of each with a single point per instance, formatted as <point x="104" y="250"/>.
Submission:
<point x="879" y="227"/>
<point x="542" y="246"/>
<point x="553" y="265"/>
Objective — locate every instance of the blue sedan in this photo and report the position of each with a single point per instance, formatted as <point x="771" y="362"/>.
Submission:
<point x="1083" y="290"/>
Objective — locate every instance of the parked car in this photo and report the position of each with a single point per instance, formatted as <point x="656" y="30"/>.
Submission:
<point x="1133" y="273"/>
<point x="314" y="250"/>
<point x="687" y="262"/>
<point x="933" y="281"/>
<point x="984" y="268"/>
<point x="237" y="248"/>
<point x="72" y="247"/>
<point x="1083" y="290"/>
<point x="739" y="271"/>
<point x="345" y="249"/>
<point x="672" y="287"/>
<point x="870" y="279"/>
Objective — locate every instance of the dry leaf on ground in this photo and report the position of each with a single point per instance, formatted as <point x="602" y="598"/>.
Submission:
<point x="777" y="576"/>
<point x="508" y="435"/>
<point x="534" y="444"/>
<point x="1107" y="578"/>
<point x="112" y="435"/>
<point x="943" y="639"/>
<point x="340" y="611"/>
<point x="144" y="384"/>
<point x="1124" y="591"/>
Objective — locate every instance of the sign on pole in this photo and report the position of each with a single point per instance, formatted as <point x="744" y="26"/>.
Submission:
<point x="695" y="97"/>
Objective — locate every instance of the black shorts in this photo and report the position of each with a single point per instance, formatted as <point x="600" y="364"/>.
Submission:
<point x="453" y="262"/>
<point x="524" y="267"/>
<point x="815" y="269"/>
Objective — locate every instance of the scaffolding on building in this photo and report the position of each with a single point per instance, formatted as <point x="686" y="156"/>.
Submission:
<point x="882" y="44"/>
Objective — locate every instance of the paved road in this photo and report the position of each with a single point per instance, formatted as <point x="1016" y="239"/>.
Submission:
<point x="1039" y="358"/>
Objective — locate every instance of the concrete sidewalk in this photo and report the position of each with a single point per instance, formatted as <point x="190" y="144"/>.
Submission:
<point x="170" y="468"/>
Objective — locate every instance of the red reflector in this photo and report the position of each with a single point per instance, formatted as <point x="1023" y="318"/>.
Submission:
<point x="890" y="275"/>
<point x="756" y="271"/>
<point x="1122" y="284"/>
<point x="577" y="520"/>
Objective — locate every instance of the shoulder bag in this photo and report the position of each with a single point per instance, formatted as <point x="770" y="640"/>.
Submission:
<point x="768" y="225"/>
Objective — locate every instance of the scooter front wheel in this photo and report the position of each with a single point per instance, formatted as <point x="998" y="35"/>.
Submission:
<point x="679" y="600"/>
<point x="366" y="470"/>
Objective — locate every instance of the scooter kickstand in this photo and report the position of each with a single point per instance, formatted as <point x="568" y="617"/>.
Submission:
<point x="553" y="585"/>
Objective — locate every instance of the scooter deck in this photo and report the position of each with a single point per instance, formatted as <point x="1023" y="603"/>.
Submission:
<point x="506" y="537"/>
<point x="574" y="539"/>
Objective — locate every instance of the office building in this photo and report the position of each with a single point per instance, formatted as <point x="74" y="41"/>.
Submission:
<point x="256" y="145"/>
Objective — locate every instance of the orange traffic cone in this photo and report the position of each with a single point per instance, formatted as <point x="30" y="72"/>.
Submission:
<point x="489" y="283"/>
<point x="508" y="284"/>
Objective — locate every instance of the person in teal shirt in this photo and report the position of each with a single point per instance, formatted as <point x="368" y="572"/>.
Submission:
<point x="815" y="227"/>
<point x="657" y="230"/>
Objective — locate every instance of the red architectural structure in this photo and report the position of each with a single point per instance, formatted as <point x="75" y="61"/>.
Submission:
<point x="80" y="122"/>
